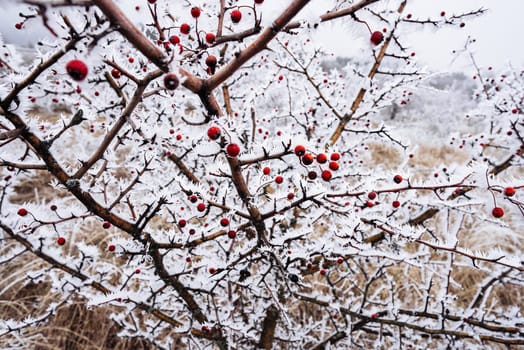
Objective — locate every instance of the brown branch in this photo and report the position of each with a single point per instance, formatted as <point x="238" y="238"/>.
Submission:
<point x="360" y="97"/>
<point x="77" y="274"/>
<point x="227" y="99"/>
<point x="441" y="248"/>
<point x="237" y="36"/>
<point x="422" y="329"/>
<point x="332" y="339"/>
<point x="256" y="46"/>
<point x="428" y="214"/>
<point x="23" y="166"/>
<point x="191" y="303"/>
<point x="243" y="192"/>
<point x="39" y="69"/>
<point x="183" y="168"/>
<point x="126" y="113"/>
<point x="268" y="328"/>
<point x="337" y="14"/>
<point x="10" y="134"/>
<point x="120" y="21"/>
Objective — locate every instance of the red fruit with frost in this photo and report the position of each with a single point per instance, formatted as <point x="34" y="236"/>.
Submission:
<point x="195" y="12"/>
<point x="185" y="28"/>
<point x="321" y="158"/>
<point x="210" y="38"/>
<point x="326" y="175"/>
<point x="509" y="191"/>
<point x="233" y="150"/>
<point x="497" y="212"/>
<point x="213" y="132"/>
<point x="236" y="16"/>
<point x="77" y="69"/>
<point x="171" y="81"/>
<point x="377" y="37"/>
<point x="300" y="150"/>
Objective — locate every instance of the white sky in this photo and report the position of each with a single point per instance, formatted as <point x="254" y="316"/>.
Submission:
<point x="499" y="32"/>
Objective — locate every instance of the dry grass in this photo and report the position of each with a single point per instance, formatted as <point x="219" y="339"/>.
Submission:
<point x="72" y="326"/>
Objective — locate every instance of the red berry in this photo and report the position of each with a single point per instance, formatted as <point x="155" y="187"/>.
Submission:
<point x="321" y="158"/>
<point x="509" y="191"/>
<point x="232" y="234"/>
<point x="280" y="77"/>
<point x="19" y="25"/>
<point x="326" y="175"/>
<point x="193" y="198"/>
<point x="185" y="28"/>
<point x="369" y="204"/>
<point x="333" y="165"/>
<point x="182" y="223"/>
<point x="497" y="212"/>
<point x="201" y="207"/>
<point x="396" y="204"/>
<point x="443" y="13"/>
<point x="61" y="240"/>
<point x="22" y="212"/>
<point x="372" y="195"/>
<point x="195" y="12"/>
<point x="233" y="150"/>
<point x="211" y="61"/>
<point x="115" y="73"/>
<point x="213" y="132"/>
<point x="174" y="40"/>
<point x="374" y="315"/>
<point x="77" y="69"/>
<point x="514" y="111"/>
<point x="340" y="260"/>
<point x="312" y="175"/>
<point x="236" y="16"/>
<point x="111" y="248"/>
<point x="279" y="179"/>
<point x="137" y="271"/>
<point x="300" y="150"/>
<point x="151" y="1"/>
<point x="397" y="179"/>
<point x="188" y="259"/>
<point x="224" y="222"/>
<point x="377" y="37"/>
<point x="266" y="170"/>
<point x="259" y="1"/>
<point x="53" y="207"/>
<point x="290" y="196"/>
<point x="308" y="159"/>
<point x="170" y="81"/>
<point x="212" y="270"/>
<point x="335" y="156"/>
<point x="210" y="38"/>
<point x="323" y="272"/>
<point x="106" y="224"/>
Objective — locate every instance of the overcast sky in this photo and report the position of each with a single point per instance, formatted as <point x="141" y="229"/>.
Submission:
<point x="499" y="32"/>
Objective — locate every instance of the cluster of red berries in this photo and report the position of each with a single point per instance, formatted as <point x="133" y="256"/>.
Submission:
<point x="321" y="158"/>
